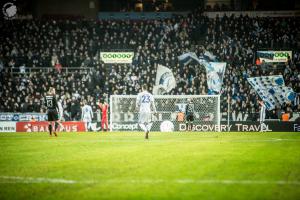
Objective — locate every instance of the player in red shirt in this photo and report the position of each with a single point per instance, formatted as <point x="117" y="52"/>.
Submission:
<point x="104" y="120"/>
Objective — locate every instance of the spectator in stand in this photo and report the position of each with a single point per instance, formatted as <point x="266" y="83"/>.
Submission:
<point x="76" y="43"/>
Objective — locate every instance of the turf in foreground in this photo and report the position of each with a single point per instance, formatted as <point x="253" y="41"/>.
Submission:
<point x="168" y="166"/>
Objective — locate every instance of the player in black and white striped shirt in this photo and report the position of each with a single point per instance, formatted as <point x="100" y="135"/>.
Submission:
<point x="52" y="108"/>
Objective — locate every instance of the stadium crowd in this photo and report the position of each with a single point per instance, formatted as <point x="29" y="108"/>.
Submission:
<point x="28" y="44"/>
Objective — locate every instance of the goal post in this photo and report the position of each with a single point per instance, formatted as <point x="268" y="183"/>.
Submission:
<point x="123" y="115"/>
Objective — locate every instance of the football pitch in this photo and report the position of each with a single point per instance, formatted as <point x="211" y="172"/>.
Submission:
<point x="123" y="165"/>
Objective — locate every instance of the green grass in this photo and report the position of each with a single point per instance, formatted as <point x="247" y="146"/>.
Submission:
<point x="168" y="166"/>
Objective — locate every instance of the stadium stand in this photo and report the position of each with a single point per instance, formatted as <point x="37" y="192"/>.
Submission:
<point x="37" y="45"/>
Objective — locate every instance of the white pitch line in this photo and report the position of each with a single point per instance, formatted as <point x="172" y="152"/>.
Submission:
<point x="29" y="180"/>
<point x="18" y="179"/>
<point x="155" y="140"/>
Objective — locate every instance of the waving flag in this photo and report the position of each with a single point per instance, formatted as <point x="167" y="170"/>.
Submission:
<point x="187" y="58"/>
<point x="209" y="56"/>
<point x="165" y="80"/>
<point x="272" y="90"/>
<point x="215" y="73"/>
<point x="214" y="70"/>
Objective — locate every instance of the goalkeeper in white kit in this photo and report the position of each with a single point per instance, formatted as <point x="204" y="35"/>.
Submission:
<point x="87" y="115"/>
<point x="145" y="105"/>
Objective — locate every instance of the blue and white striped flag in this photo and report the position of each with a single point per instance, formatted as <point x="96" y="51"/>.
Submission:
<point x="272" y="90"/>
<point x="209" y="56"/>
<point x="187" y="58"/>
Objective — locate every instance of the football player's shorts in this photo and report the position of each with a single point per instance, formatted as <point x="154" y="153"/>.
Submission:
<point x="87" y="119"/>
<point x="60" y="116"/>
<point x="145" y="117"/>
<point x="190" y="118"/>
<point x="52" y="115"/>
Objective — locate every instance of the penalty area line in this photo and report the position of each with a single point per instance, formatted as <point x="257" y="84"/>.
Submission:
<point x="31" y="180"/>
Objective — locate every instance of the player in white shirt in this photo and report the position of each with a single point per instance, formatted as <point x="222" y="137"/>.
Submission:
<point x="87" y="115"/>
<point x="262" y="116"/>
<point x="60" y="113"/>
<point x="60" y="110"/>
<point x="145" y="106"/>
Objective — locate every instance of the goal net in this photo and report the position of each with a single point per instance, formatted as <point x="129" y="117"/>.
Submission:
<point x="170" y="109"/>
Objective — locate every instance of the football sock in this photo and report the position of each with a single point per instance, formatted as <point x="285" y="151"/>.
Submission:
<point x="263" y="126"/>
<point x="146" y="136"/>
<point x="143" y="127"/>
<point x="88" y="125"/>
<point x="148" y="126"/>
<point x="56" y="126"/>
<point x="50" y="129"/>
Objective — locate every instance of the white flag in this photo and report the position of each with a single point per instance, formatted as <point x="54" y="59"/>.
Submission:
<point x="186" y="58"/>
<point x="215" y="73"/>
<point x="210" y="56"/>
<point x="165" y="80"/>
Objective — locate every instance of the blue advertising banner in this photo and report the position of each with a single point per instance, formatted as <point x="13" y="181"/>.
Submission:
<point x="23" y="116"/>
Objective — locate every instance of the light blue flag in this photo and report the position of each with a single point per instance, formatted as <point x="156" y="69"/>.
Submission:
<point x="215" y="73"/>
<point x="214" y="70"/>
<point x="165" y="80"/>
<point x="209" y="56"/>
<point x="272" y="90"/>
<point x="187" y="58"/>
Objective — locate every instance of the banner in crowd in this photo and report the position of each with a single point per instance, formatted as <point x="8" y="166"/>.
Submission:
<point x="23" y="116"/>
<point x="165" y="80"/>
<point x="42" y="126"/>
<point x="209" y="56"/>
<point x="116" y="57"/>
<point x="254" y="14"/>
<point x="7" y="127"/>
<point x="272" y="90"/>
<point x="214" y="70"/>
<point x="273" y="56"/>
<point x="188" y="57"/>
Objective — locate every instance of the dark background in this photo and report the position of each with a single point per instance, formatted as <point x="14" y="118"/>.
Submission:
<point x="90" y="8"/>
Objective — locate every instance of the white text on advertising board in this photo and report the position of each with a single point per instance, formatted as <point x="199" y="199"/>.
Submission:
<point x="117" y="57"/>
